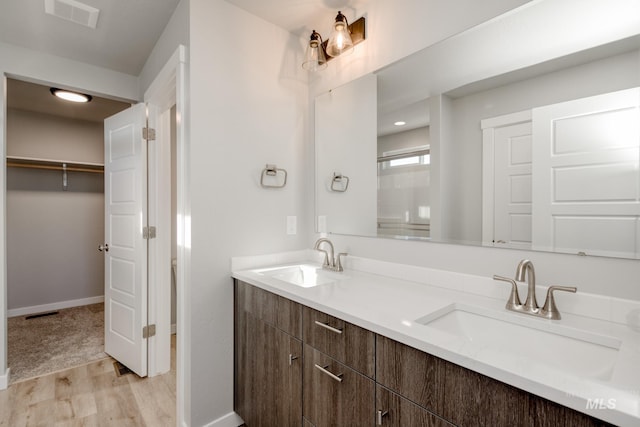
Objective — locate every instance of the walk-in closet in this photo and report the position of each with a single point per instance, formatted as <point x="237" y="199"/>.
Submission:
<point x="54" y="223"/>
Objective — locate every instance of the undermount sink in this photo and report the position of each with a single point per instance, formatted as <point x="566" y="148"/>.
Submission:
<point x="304" y="275"/>
<point x="525" y="343"/>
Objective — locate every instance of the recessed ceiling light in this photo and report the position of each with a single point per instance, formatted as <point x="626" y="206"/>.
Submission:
<point x="400" y="123"/>
<point x="68" y="95"/>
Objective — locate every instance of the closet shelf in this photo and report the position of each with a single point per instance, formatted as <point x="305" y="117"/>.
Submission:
<point x="58" y="165"/>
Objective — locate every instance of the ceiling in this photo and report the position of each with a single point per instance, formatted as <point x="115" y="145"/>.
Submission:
<point x="32" y="97"/>
<point x="119" y="41"/>
<point x="127" y="30"/>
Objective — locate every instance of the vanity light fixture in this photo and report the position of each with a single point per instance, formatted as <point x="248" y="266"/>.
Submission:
<point x="314" y="58"/>
<point x="343" y="38"/>
<point x="68" y="95"/>
<point x="400" y="123"/>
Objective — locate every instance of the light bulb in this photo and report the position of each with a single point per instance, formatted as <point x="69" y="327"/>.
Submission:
<point x="340" y="40"/>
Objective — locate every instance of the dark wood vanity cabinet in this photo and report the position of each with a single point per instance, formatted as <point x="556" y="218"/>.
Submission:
<point x="401" y="412"/>
<point x="268" y="358"/>
<point x="334" y="394"/>
<point x="345" y="342"/>
<point x="339" y="366"/>
<point x="464" y="397"/>
<point x="297" y="366"/>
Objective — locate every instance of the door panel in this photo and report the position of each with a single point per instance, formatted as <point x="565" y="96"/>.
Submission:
<point x="512" y="191"/>
<point x="586" y="187"/>
<point x="126" y="260"/>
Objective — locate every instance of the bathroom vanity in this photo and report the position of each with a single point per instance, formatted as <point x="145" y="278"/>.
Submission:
<point x="360" y="349"/>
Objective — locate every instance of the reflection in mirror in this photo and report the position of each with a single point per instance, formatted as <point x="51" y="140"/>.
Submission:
<point x="494" y="147"/>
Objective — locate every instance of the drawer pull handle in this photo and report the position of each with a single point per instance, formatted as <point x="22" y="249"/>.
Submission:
<point x="331" y="328"/>
<point x="291" y="359"/>
<point x="379" y="416"/>
<point x="324" y="370"/>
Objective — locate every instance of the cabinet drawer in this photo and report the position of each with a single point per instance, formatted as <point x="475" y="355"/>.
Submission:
<point x="335" y="395"/>
<point x="272" y="309"/>
<point x="393" y="410"/>
<point x="465" y="397"/>
<point x="341" y="340"/>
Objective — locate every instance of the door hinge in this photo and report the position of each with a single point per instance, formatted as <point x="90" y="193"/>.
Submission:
<point x="149" y="134"/>
<point x="149" y="232"/>
<point x="149" y="331"/>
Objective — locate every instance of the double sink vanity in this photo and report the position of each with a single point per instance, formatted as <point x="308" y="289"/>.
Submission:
<point x="398" y="345"/>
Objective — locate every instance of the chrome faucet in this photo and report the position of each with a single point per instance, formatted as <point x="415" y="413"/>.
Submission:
<point x="549" y="310"/>
<point x="330" y="262"/>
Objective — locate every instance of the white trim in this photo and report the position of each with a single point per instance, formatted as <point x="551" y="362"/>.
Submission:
<point x="230" y="420"/>
<point x="488" y="166"/>
<point x="4" y="379"/>
<point x="506" y="119"/>
<point x="23" y="311"/>
<point x="488" y="183"/>
<point x="168" y="89"/>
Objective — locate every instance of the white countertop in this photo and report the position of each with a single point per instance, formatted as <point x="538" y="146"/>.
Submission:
<point x="390" y="306"/>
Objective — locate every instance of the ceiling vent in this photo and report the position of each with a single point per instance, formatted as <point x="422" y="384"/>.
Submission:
<point x="74" y="11"/>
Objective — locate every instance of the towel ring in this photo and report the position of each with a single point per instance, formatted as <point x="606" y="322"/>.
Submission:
<point x="339" y="182"/>
<point x="273" y="171"/>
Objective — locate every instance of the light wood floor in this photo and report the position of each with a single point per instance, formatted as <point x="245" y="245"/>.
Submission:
<point x="91" y="395"/>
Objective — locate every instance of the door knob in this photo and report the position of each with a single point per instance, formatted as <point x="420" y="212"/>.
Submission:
<point x="104" y="247"/>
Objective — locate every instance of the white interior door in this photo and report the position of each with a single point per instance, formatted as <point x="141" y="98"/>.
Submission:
<point x="512" y="187"/>
<point x="586" y="178"/>
<point x="125" y="177"/>
<point x="506" y="180"/>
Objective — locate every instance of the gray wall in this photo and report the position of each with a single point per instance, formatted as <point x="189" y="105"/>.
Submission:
<point x="52" y="234"/>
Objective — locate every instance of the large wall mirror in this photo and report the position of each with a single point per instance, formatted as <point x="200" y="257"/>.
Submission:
<point x="522" y="132"/>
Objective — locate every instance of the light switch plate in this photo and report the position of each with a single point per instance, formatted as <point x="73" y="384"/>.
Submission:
<point x="292" y="225"/>
<point x="322" y="224"/>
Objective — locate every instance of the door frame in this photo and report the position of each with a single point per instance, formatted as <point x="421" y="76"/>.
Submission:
<point x="488" y="127"/>
<point x="166" y="90"/>
<point x="169" y="85"/>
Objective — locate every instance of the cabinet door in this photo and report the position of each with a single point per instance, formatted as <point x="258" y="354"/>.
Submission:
<point x="393" y="410"/>
<point x="268" y="372"/>
<point x="272" y="309"/>
<point x="335" y="395"/>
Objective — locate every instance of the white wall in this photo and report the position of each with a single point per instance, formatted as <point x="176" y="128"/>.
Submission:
<point x="175" y="33"/>
<point x="248" y="103"/>
<point x="398" y="28"/>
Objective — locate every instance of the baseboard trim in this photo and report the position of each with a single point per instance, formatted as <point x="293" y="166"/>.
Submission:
<point x="53" y="306"/>
<point x="230" y="420"/>
<point x="4" y="379"/>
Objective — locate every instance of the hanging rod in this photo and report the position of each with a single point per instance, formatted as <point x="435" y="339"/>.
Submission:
<point x="57" y="165"/>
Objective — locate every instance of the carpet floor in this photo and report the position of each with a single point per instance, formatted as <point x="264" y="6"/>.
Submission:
<point x="42" y="345"/>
